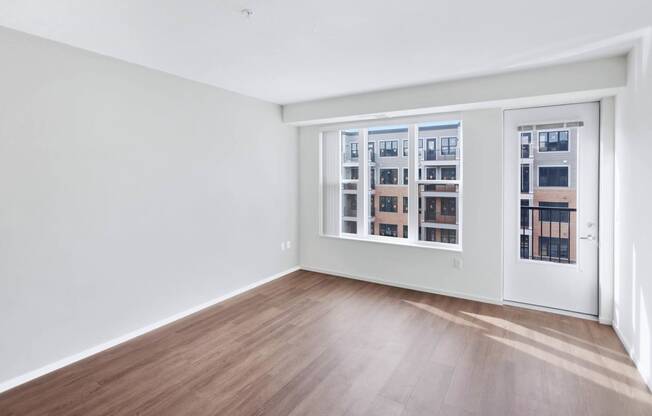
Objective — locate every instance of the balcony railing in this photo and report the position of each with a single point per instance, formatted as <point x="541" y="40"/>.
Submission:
<point x="547" y="234"/>
<point x="353" y="157"/>
<point x="430" y="155"/>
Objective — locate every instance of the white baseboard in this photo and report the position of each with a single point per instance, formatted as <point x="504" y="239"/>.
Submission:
<point x="630" y="352"/>
<point x="24" y="378"/>
<point x="405" y="286"/>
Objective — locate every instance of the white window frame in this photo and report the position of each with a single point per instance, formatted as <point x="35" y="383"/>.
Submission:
<point x="413" y="163"/>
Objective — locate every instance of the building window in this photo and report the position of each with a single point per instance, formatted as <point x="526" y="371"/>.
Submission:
<point x="554" y="215"/>
<point x="354" y="150"/>
<point x="406" y="175"/>
<point x="448" y="236"/>
<point x="389" y="204"/>
<point x="388" y="148"/>
<point x="525" y="179"/>
<point x="430" y="215"/>
<point x="525" y="214"/>
<point x="389" y="176"/>
<point x="449" y="174"/>
<point x="431" y="173"/>
<point x="405" y="231"/>
<point x="525" y="246"/>
<point x="405" y="204"/>
<point x="448" y="146"/>
<point x="351" y="173"/>
<point x="405" y="147"/>
<point x="430" y="234"/>
<point x="388" y="230"/>
<point x="448" y="206"/>
<point x="553" y="176"/>
<point x="553" y="247"/>
<point x="553" y="141"/>
<point x="526" y="140"/>
<point x="431" y="149"/>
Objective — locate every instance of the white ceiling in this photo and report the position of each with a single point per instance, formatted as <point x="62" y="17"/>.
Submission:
<point x="297" y="50"/>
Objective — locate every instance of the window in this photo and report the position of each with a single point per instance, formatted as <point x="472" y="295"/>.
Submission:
<point x="427" y="211"/>
<point x="526" y="140"/>
<point x="448" y="174"/>
<point x="448" y="236"/>
<point x="351" y="173"/>
<point x="525" y="179"/>
<point x="389" y="176"/>
<point x="554" y="215"/>
<point x="525" y="214"/>
<point x="525" y="246"/>
<point x="389" y="204"/>
<point x="553" y="247"/>
<point x="553" y="176"/>
<point x="448" y="146"/>
<point x="389" y="230"/>
<point x="431" y="149"/>
<point x="553" y="141"/>
<point x="354" y="150"/>
<point x="448" y="206"/>
<point x="388" y="148"/>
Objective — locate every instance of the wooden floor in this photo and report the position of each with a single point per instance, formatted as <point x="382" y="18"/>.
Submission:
<point x="312" y="344"/>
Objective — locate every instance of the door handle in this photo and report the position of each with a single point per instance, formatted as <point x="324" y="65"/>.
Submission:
<point x="587" y="237"/>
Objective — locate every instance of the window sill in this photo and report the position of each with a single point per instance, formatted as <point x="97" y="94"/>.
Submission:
<point x="399" y="242"/>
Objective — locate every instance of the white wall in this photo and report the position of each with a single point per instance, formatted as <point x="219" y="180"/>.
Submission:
<point x="127" y="196"/>
<point x="422" y="268"/>
<point x="633" y="228"/>
<point x="572" y="80"/>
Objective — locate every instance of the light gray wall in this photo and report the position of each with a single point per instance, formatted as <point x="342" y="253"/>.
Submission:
<point x="633" y="225"/>
<point x="424" y="268"/>
<point x="128" y="196"/>
<point x="456" y="95"/>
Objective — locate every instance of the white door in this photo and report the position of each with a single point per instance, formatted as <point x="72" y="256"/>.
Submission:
<point x="551" y="206"/>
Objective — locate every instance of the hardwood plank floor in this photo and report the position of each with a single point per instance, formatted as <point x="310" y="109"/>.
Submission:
<point x="313" y="344"/>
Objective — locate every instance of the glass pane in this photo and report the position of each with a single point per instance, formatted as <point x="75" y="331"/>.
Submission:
<point x="351" y="140"/>
<point x="439" y="200"/>
<point x="388" y="179"/>
<point x="548" y="197"/>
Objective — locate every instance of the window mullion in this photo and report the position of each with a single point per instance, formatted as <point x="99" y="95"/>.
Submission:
<point x="363" y="184"/>
<point x="413" y="187"/>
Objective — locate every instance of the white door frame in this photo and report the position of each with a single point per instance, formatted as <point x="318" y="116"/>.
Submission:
<point x="606" y="215"/>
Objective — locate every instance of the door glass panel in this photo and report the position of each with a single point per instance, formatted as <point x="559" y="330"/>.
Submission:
<point x="548" y="194"/>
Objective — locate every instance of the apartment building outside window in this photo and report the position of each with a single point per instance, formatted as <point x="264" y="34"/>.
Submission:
<point x="388" y="230"/>
<point x="553" y="141"/>
<point x="389" y="148"/>
<point x="548" y="192"/>
<point x="389" y="176"/>
<point x="388" y="204"/>
<point x="448" y="146"/>
<point x="354" y="150"/>
<point x="553" y="176"/>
